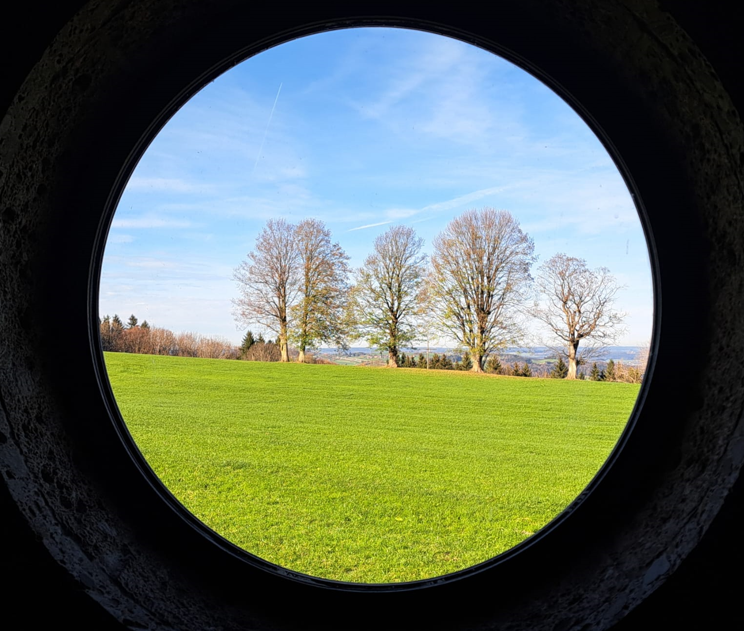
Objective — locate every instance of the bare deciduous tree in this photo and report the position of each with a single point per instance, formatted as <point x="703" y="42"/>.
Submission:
<point x="318" y="315"/>
<point x="387" y="286"/>
<point x="480" y="272"/>
<point x="578" y="304"/>
<point x="268" y="281"/>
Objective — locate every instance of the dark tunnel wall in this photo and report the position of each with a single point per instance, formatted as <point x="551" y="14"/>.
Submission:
<point x="57" y="500"/>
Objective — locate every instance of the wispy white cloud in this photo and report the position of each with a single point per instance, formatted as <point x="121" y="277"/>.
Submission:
<point x="370" y="225"/>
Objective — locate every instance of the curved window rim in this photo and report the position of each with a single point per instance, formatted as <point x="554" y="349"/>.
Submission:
<point x="140" y="147"/>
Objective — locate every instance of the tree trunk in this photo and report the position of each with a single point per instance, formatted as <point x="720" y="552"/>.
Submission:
<point x="285" y="350"/>
<point x="477" y="363"/>
<point x="392" y="358"/>
<point x="301" y="356"/>
<point x="572" y="349"/>
<point x="283" y="346"/>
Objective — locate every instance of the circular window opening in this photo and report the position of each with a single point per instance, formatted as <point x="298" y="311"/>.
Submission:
<point x="443" y="301"/>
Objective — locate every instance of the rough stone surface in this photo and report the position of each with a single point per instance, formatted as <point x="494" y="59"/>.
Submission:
<point x="45" y="463"/>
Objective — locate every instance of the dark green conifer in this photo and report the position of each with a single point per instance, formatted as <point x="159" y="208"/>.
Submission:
<point x="560" y="371"/>
<point x="245" y="345"/>
<point x="493" y="365"/>
<point x="610" y="374"/>
<point x="467" y="361"/>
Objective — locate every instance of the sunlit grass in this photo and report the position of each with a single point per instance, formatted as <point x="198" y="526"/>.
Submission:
<point x="367" y="474"/>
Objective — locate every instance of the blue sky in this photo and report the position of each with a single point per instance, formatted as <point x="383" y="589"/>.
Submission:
<point x="362" y="129"/>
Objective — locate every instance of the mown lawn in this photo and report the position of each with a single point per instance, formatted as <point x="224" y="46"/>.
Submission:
<point x="367" y="474"/>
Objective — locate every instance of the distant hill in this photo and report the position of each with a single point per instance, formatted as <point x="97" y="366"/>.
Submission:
<point x="538" y="354"/>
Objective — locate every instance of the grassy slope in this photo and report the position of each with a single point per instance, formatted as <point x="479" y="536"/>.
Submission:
<point x="366" y="474"/>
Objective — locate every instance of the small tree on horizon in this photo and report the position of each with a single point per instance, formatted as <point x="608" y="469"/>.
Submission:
<point x="132" y="322"/>
<point x="596" y="374"/>
<point x="245" y="345"/>
<point x="436" y="362"/>
<point x="610" y="373"/>
<point x="467" y="362"/>
<point x="560" y="370"/>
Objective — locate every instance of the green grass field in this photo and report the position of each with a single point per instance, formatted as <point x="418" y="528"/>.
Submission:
<point x="367" y="474"/>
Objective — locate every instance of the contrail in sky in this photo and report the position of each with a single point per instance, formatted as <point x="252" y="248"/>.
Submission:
<point x="266" y="131"/>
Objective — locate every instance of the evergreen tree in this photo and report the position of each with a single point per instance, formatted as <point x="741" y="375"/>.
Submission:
<point x="561" y="370"/>
<point x="132" y="322"/>
<point x="411" y="362"/>
<point x="526" y="370"/>
<point x="493" y="365"/>
<point x="422" y="361"/>
<point x="116" y="322"/>
<point x="435" y="362"/>
<point x="248" y="341"/>
<point x="401" y="359"/>
<point x="595" y="374"/>
<point x="145" y="324"/>
<point x="610" y="374"/>
<point x="260" y="339"/>
<point x="467" y="361"/>
<point x="516" y="371"/>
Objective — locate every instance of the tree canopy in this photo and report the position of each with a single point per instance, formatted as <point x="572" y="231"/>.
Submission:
<point x="480" y="271"/>
<point x="386" y="291"/>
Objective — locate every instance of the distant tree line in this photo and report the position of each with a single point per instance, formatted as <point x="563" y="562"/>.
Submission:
<point x="609" y="371"/>
<point x="134" y="337"/>
<point x="150" y="340"/>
